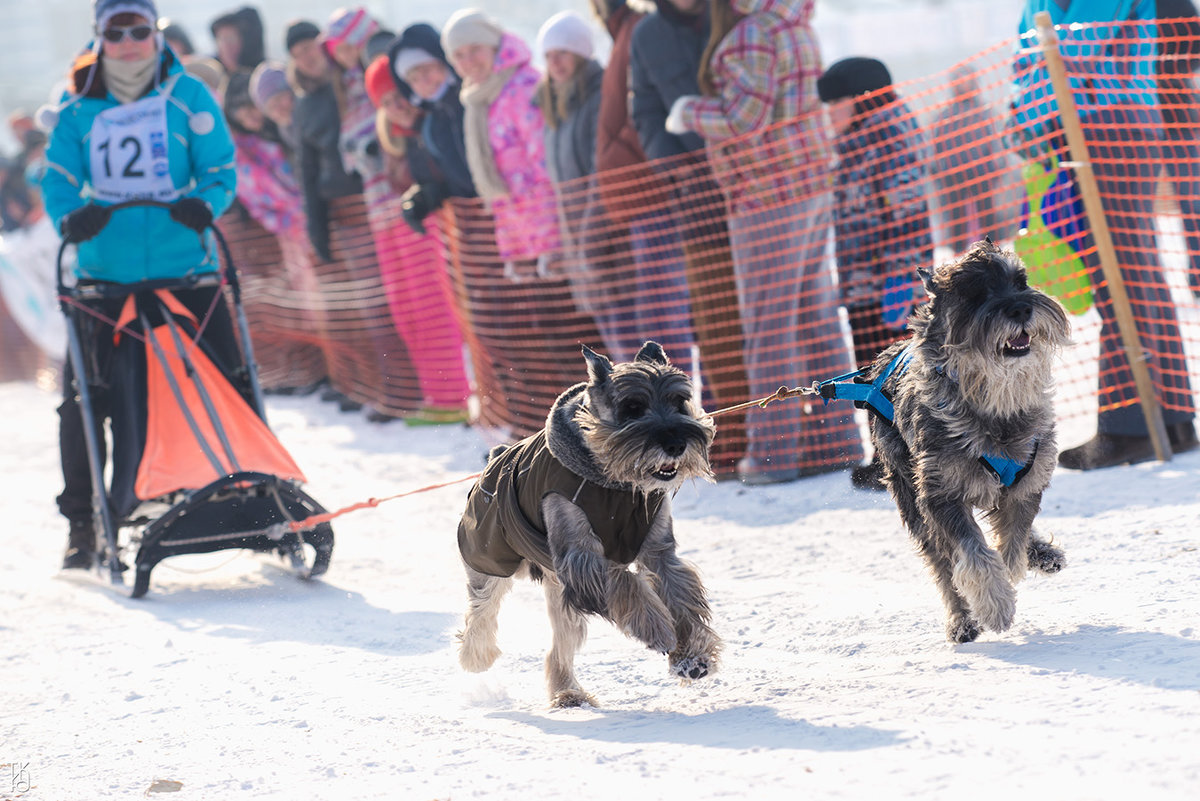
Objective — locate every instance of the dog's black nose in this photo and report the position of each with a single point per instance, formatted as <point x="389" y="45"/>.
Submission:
<point x="673" y="446"/>
<point x="1020" y="311"/>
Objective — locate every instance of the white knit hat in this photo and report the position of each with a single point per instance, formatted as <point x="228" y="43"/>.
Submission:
<point x="409" y="57"/>
<point x="568" y="31"/>
<point x="469" y="26"/>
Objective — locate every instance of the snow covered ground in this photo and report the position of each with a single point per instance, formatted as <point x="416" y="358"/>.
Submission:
<point x="234" y="680"/>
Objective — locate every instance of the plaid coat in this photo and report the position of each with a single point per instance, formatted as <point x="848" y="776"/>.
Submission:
<point x="765" y="72"/>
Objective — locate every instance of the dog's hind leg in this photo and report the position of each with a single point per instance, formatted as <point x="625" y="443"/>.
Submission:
<point x="478" y="649"/>
<point x="569" y="629"/>
<point x="678" y="584"/>
<point x="593" y="584"/>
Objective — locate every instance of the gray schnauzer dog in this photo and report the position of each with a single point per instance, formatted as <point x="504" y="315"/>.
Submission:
<point x="973" y="428"/>
<point x="578" y="504"/>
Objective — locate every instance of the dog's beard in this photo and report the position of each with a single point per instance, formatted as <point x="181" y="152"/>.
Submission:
<point x="1004" y="366"/>
<point x="631" y="453"/>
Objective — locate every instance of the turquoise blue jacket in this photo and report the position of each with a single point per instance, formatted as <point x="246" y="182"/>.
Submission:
<point x="1109" y="67"/>
<point x="141" y="244"/>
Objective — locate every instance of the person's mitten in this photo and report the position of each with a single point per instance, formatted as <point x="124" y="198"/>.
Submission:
<point x="85" y="222"/>
<point x="192" y="212"/>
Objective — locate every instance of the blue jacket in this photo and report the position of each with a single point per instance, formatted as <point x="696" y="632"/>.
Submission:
<point x="1108" y="66"/>
<point x="141" y="244"/>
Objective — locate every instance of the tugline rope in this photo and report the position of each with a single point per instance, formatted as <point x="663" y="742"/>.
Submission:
<point x="313" y="521"/>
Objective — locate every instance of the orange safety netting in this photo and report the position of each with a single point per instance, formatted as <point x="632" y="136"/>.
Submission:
<point x="779" y="258"/>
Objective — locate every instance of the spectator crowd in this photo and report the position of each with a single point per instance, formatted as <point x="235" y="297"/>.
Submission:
<point x="436" y="219"/>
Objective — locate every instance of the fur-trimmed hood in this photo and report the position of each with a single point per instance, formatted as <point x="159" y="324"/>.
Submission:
<point x="565" y="439"/>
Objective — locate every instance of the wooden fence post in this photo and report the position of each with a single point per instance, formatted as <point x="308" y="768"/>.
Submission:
<point x="1098" y="223"/>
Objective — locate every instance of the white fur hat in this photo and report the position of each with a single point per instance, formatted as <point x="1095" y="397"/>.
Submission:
<point x="568" y="31"/>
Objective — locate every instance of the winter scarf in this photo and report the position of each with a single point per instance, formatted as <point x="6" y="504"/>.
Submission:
<point x="128" y="80"/>
<point x="476" y="100"/>
<point x="392" y="138"/>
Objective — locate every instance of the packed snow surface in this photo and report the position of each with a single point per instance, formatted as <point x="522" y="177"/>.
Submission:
<point x="233" y="679"/>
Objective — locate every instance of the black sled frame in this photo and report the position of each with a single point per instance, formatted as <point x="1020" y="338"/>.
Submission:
<point x="241" y="510"/>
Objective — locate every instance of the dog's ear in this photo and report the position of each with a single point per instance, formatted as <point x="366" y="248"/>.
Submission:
<point x="654" y="353"/>
<point x="599" y="367"/>
<point x="926" y="276"/>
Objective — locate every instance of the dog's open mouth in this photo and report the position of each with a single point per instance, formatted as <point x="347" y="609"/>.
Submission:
<point x="665" y="472"/>
<point x="1018" y="345"/>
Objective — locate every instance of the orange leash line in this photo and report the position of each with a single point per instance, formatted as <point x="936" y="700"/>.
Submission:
<point x="316" y="520"/>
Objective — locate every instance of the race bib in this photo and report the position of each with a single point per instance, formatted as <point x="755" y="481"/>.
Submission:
<point x="128" y="152"/>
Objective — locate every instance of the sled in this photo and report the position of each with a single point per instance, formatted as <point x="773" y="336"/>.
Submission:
<point x="195" y="468"/>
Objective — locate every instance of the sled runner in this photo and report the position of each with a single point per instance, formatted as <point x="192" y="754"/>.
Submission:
<point x="195" y="468"/>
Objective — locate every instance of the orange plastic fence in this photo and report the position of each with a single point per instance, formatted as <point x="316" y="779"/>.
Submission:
<point x="776" y="259"/>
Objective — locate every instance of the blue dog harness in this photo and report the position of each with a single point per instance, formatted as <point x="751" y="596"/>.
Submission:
<point x="871" y="395"/>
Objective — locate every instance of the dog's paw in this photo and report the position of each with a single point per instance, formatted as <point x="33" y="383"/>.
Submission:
<point x="693" y="667"/>
<point x="1045" y="558"/>
<point x="476" y="657"/>
<point x="996" y="607"/>
<point x="569" y="699"/>
<point x="962" y="629"/>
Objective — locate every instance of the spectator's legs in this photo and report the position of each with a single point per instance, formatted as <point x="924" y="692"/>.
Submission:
<point x="793" y="335"/>
<point x="708" y="266"/>
<point x="1126" y="162"/>
<point x="1181" y="160"/>
<point x="662" y="304"/>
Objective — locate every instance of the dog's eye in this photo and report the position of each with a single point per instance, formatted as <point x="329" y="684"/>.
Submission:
<point x="632" y="409"/>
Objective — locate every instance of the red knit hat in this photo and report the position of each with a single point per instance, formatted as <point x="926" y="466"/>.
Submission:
<point x="379" y="79"/>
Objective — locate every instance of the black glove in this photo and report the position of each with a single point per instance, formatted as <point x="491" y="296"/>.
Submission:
<point x="85" y="222"/>
<point x="419" y="202"/>
<point x="192" y="212"/>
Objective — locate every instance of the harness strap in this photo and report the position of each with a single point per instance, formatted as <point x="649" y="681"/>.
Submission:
<point x="871" y="396"/>
<point x="867" y="395"/>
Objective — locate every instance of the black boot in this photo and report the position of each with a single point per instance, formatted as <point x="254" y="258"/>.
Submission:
<point x="81" y="546"/>
<point x="1182" y="437"/>
<point x="1107" y="450"/>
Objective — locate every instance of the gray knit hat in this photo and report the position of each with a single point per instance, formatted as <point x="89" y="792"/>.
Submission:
<point x="267" y="80"/>
<point x="105" y="10"/>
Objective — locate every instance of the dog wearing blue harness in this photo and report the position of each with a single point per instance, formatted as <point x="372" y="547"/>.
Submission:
<point x="963" y="420"/>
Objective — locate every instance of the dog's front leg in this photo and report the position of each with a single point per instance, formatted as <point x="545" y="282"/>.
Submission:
<point x="1012" y="520"/>
<point x="938" y="552"/>
<point x="593" y="584"/>
<point x="569" y="628"/>
<point x="680" y="588"/>
<point x="979" y="574"/>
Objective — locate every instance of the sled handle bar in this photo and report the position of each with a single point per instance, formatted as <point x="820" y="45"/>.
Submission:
<point x="192" y="280"/>
<point x="229" y="271"/>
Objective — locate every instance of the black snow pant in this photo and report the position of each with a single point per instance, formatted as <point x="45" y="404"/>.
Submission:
<point x="96" y="338"/>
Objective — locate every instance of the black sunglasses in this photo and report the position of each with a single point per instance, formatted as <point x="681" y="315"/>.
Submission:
<point x="139" y="33"/>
